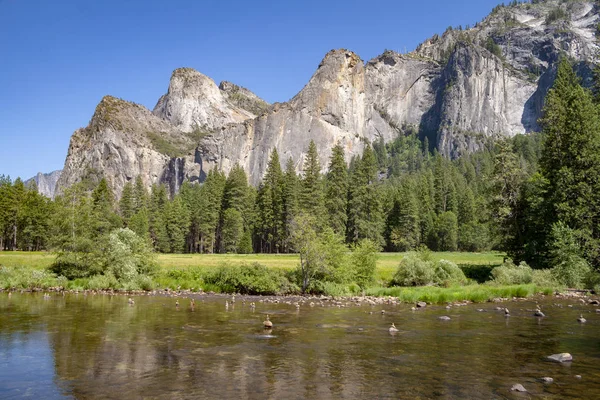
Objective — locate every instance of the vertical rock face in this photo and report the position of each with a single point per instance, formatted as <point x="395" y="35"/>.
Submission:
<point x="46" y="183"/>
<point x="123" y="140"/>
<point x="460" y="90"/>
<point x="481" y="98"/>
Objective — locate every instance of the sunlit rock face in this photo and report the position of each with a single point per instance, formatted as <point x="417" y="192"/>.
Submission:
<point x="460" y="90"/>
<point x="45" y="183"/>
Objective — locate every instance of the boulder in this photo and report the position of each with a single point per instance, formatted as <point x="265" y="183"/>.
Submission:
<point x="518" y="388"/>
<point x="421" y="304"/>
<point x="561" y="357"/>
<point x="547" y="379"/>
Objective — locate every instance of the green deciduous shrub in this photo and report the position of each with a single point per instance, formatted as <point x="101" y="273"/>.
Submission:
<point x="417" y="269"/>
<point x="121" y="255"/>
<point x="566" y="256"/>
<point x="511" y="274"/>
<point x="248" y="279"/>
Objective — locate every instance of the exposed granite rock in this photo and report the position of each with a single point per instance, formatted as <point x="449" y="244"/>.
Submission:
<point x="124" y="140"/>
<point x="481" y="98"/>
<point x="461" y="89"/>
<point x="46" y="183"/>
<point x="194" y="101"/>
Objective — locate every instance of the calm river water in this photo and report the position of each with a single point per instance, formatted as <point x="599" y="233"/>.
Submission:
<point x="100" y="347"/>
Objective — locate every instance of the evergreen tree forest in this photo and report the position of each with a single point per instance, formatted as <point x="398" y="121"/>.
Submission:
<point x="535" y="196"/>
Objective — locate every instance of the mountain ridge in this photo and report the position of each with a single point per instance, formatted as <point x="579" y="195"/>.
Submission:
<point x="459" y="89"/>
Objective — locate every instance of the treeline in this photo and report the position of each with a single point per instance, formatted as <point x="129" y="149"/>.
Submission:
<point x="399" y="195"/>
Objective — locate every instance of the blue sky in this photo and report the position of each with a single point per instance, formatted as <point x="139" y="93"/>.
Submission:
<point x="58" y="58"/>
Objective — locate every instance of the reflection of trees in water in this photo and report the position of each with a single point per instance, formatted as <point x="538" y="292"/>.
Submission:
<point x="103" y="347"/>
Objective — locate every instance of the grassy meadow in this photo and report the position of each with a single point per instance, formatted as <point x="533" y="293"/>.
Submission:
<point x="188" y="271"/>
<point x="386" y="264"/>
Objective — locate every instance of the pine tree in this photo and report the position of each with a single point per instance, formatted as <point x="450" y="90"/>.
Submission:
<point x="570" y="159"/>
<point x="233" y="230"/>
<point x="446" y="230"/>
<point x="33" y="220"/>
<point x="506" y="183"/>
<point x="366" y="220"/>
<point x="177" y="219"/>
<point x="103" y="207"/>
<point x="72" y="221"/>
<point x="236" y="190"/>
<point x="290" y="201"/>
<point x="140" y="224"/>
<point x="140" y="194"/>
<point x="445" y="190"/>
<point x="209" y="209"/>
<point x="403" y="229"/>
<point x="271" y="207"/>
<point x="336" y="189"/>
<point x="157" y="218"/>
<point x="127" y="203"/>
<point x="311" y="199"/>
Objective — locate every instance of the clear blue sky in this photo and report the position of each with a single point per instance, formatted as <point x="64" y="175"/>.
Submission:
<point x="59" y="57"/>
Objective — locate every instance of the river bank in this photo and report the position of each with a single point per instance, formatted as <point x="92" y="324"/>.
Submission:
<point x="430" y="295"/>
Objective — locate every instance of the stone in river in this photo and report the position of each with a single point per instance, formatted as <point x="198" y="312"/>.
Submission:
<point x="421" y="304"/>
<point x="444" y="318"/>
<point x="547" y="379"/>
<point x="518" y="388"/>
<point x="561" y="357"/>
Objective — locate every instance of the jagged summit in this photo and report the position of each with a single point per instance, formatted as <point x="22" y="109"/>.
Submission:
<point x="193" y="101"/>
<point x="459" y="90"/>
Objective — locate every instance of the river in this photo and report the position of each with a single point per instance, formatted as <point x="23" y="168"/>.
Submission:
<point x="101" y="347"/>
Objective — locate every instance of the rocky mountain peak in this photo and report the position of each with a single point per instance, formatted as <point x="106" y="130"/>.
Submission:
<point x="458" y="89"/>
<point x="336" y="91"/>
<point x="194" y="102"/>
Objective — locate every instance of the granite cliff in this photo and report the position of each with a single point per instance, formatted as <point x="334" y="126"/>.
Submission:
<point x="460" y="89"/>
<point x="45" y="183"/>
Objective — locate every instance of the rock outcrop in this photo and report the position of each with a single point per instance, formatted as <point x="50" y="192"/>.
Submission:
<point x="45" y="183"/>
<point x="460" y="90"/>
<point x="194" y="102"/>
<point x="124" y="140"/>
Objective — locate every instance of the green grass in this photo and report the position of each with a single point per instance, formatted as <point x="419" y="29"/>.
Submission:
<point x="475" y="293"/>
<point x="187" y="271"/>
<point x="386" y="264"/>
<point x="31" y="259"/>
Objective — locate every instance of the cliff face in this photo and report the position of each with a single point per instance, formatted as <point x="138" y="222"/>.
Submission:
<point x="122" y="141"/>
<point x="459" y="89"/>
<point x="46" y="183"/>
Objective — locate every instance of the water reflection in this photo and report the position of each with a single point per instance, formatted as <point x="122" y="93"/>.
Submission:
<point x="98" y="346"/>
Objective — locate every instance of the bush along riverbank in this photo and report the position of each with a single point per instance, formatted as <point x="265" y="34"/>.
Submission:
<point x="256" y="279"/>
<point x="125" y="262"/>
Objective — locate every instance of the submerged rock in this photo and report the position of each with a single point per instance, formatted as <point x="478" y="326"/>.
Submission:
<point x="444" y="318"/>
<point x="561" y="357"/>
<point x="518" y="388"/>
<point x="547" y="379"/>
